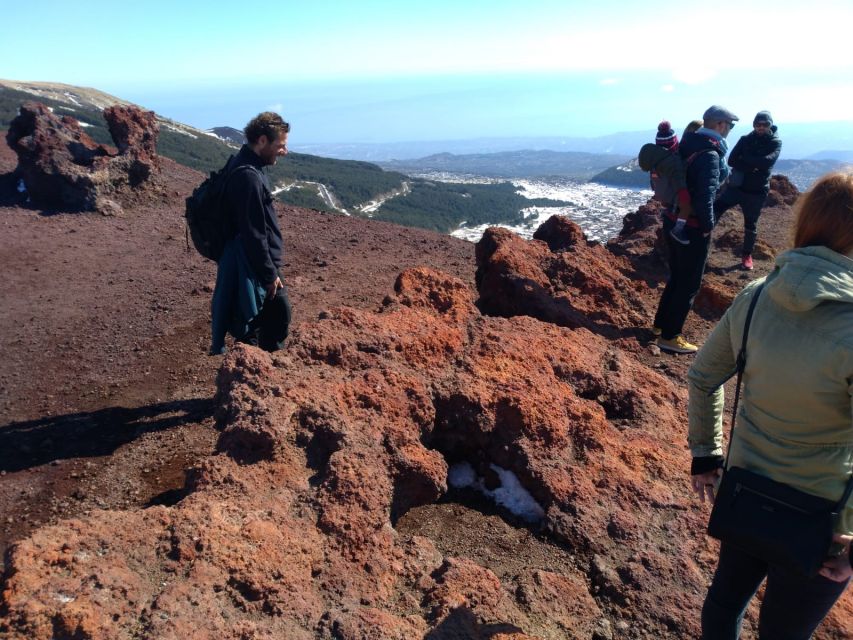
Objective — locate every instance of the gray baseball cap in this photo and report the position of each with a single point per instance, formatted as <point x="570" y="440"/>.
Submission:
<point x="716" y="113"/>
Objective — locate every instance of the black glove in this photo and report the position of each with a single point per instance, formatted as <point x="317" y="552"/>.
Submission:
<point x="704" y="464"/>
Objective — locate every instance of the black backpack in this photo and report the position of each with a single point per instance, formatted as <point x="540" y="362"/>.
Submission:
<point x="206" y="213"/>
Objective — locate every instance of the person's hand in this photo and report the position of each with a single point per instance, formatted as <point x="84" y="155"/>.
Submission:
<point x="705" y="484"/>
<point x="273" y="287"/>
<point x="838" y="567"/>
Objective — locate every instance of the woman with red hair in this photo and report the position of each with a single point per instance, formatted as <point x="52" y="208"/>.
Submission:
<point x="794" y="425"/>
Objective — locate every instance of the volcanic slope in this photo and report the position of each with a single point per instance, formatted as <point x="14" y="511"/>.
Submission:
<point x="317" y="494"/>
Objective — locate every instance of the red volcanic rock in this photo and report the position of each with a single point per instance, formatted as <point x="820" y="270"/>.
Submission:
<point x="714" y="297"/>
<point x="580" y="285"/>
<point x="135" y="133"/>
<point x="782" y="190"/>
<point x="560" y="234"/>
<point x="640" y="233"/>
<point x="133" y="129"/>
<point x="55" y="157"/>
<point x="64" y="169"/>
<point x="289" y="531"/>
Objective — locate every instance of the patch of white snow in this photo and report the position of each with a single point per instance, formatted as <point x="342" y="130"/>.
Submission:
<point x="511" y="494"/>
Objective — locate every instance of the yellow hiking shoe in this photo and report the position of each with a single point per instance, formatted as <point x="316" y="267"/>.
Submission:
<point x="677" y="345"/>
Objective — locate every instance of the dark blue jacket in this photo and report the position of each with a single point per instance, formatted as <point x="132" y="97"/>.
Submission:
<point x="704" y="156"/>
<point x="237" y="298"/>
<point x="755" y="155"/>
<point x="253" y="216"/>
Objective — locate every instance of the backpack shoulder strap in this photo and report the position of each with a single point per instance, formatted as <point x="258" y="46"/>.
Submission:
<point x="695" y="155"/>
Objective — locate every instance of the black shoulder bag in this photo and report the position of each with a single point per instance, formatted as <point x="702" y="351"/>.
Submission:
<point x="770" y="520"/>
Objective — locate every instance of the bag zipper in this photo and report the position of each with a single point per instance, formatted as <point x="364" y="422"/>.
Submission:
<point x="740" y="486"/>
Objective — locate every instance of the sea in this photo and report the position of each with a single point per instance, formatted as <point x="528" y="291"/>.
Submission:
<point x="597" y="209"/>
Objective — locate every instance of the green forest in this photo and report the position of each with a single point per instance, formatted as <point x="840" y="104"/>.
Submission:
<point x="443" y="206"/>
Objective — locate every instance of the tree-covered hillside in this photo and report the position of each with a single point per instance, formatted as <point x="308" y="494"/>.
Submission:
<point x="442" y="206"/>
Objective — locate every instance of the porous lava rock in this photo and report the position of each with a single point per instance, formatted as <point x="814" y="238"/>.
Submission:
<point x="135" y="134"/>
<point x="640" y="233"/>
<point x="782" y="190"/>
<point x="561" y="279"/>
<point x="64" y="169"/>
<point x="290" y="530"/>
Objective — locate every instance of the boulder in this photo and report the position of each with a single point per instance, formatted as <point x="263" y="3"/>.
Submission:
<point x="563" y="280"/>
<point x="63" y="169"/>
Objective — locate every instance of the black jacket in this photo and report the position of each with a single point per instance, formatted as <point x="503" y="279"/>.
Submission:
<point x="704" y="157"/>
<point x="754" y="156"/>
<point x="253" y="215"/>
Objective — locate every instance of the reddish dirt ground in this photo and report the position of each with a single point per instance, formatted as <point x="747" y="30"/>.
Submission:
<point x="105" y="383"/>
<point x="106" y="386"/>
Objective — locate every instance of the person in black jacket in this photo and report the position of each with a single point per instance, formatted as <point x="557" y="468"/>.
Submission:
<point x="703" y="153"/>
<point x="250" y="300"/>
<point x="751" y="161"/>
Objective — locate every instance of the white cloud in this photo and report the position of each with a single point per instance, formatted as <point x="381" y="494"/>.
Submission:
<point x="693" y="75"/>
<point x="606" y="82"/>
<point x="668" y="88"/>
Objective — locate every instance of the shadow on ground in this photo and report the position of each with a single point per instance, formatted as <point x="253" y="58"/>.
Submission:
<point x="462" y="623"/>
<point x="97" y="433"/>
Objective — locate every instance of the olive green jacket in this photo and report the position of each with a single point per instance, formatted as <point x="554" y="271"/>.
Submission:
<point x="795" y="419"/>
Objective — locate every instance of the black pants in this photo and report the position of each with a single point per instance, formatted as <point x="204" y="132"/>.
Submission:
<point x="268" y="330"/>
<point x="686" y="268"/>
<point x="792" y="609"/>
<point x="750" y="204"/>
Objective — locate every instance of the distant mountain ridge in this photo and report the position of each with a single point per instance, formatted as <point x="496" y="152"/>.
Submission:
<point x="815" y="140"/>
<point x="525" y="163"/>
<point x="801" y="172"/>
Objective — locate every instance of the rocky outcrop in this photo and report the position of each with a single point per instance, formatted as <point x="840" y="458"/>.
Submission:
<point x="640" y="234"/>
<point x="64" y="169"/>
<point x="290" y="530"/>
<point x="559" y="278"/>
<point x="782" y="191"/>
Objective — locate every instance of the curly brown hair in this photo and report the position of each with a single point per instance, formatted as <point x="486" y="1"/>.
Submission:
<point x="268" y="124"/>
<point x="825" y="214"/>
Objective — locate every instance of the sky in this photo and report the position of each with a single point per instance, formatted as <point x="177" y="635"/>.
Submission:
<point x="385" y="71"/>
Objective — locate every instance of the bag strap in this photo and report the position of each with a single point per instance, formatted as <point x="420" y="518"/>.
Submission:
<point x="741" y="365"/>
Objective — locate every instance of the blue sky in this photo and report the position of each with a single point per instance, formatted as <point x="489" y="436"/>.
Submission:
<point x="380" y="71"/>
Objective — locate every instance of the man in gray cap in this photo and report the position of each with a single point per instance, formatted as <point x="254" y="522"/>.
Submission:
<point x="751" y="161"/>
<point x="703" y="152"/>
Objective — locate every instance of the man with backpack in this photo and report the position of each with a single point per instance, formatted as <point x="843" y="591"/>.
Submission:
<point x="250" y="300"/>
<point x="751" y="161"/>
<point x="703" y="153"/>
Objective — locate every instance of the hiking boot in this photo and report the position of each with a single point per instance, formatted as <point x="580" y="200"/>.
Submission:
<point x="677" y="345"/>
<point x="656" y="331"/>
<point x="746" y="263"/>
<point x="679" y="235"/>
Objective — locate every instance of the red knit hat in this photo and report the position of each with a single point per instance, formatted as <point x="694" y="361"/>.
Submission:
<point x="666" y="136"/>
